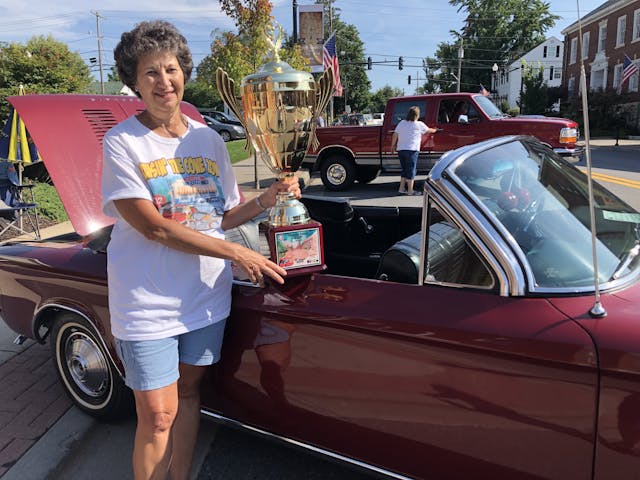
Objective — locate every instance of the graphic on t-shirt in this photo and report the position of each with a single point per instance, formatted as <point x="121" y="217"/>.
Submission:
<point x="187" y="190"/>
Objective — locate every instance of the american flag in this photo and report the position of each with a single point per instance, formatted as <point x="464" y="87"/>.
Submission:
<point x="330" y="60"/>
<point x="629" y="69"/>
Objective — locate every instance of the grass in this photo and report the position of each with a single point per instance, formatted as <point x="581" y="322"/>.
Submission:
<point x="236" y="150"/>
<point x="50" y="205"/>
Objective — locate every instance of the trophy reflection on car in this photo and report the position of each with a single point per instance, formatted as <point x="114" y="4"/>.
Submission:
<point x="280" y="106"/>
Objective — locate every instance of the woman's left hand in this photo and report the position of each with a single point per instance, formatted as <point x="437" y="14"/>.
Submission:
<point x="291" y="185"/>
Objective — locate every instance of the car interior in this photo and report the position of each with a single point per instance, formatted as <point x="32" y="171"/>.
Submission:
<point x="374" y="242"/>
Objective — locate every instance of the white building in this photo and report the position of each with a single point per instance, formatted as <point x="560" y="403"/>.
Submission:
<point x="508" y="80"/>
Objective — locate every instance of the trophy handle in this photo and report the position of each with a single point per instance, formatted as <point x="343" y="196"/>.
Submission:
<point x="227" y="88"/>
<point x="326" y="85"/>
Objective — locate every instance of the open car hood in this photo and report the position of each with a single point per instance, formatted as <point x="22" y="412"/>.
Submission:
<point x="67" y="130"/>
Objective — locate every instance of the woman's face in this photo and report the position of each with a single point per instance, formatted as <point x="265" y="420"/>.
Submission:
<point x="160" y="82"/>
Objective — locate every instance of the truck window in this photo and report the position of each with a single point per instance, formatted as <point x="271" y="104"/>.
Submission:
<point x="457" y="111"/>
<point x="401" y="108"/>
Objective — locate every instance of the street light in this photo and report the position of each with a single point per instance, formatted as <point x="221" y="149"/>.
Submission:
<point x="494" y="69"/>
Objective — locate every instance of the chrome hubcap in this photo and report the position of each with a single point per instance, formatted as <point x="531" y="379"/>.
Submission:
<point x="87" y="366"/>
<point x="336" y="174"/>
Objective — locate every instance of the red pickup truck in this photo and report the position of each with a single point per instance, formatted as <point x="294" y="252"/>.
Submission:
<point x="350" y="153"/>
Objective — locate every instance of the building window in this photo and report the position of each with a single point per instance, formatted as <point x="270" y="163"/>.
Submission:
<point x="633" y="83"/>
<point x="636" y="25"/>
<point x="617" y="75"/>
<point x="571" y="85"/>
<point x="574" y="50"/>
<point x="602" y="36"/>
<point x="585" y="45"/>
<point x="557" y="74"/>
<point x="544" y="52"/>
<point x="557" y="51"/>
<point x="551" y="72"/>
<point x="622" y="30"/>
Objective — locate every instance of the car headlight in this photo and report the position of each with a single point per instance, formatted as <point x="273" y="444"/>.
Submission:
<point x="569" y="135"/>
<point x="237" y="129"/>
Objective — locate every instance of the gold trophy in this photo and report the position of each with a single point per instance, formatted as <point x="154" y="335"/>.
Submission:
<point x="280" y="106"/>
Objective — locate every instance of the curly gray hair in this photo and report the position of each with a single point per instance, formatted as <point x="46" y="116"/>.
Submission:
<point x="150" y="37"/>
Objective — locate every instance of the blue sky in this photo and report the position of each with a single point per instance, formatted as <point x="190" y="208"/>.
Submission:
<point x="411" y="28"/>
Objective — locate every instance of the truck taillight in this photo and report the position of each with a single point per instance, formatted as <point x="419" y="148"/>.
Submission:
<point x="569" y="135"/>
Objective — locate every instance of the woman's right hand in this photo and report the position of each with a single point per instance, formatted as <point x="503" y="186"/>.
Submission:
<point x="257" y="266"/>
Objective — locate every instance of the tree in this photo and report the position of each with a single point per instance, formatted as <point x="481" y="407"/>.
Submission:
<point x="242" y="53"/>
<point x="43" y="65"/>
<point x="352" y="60"/>
<point x="378" y="101"/>
<point x="494" y="32"/>
<point x="533" y="97"/>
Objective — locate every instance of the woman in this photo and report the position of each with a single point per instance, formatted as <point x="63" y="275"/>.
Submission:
<point x="407" y="138"/>
<point x="169" y="183"/>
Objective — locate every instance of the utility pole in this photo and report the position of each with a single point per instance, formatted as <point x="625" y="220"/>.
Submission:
<point x="98" y="16"/>
<point x="460" y="57"/>
<point x="295" y="21"/>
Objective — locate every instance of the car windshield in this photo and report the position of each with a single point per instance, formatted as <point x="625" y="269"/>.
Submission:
<point x="488" y="106"/>
<point x="542" y="202"/>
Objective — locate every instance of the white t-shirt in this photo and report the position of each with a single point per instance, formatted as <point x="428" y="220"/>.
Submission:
<point x="156" y="291"/>
<point x="410" y="134"/>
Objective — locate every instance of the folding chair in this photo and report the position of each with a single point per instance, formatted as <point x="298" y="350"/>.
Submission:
<point x="14" y="210"/>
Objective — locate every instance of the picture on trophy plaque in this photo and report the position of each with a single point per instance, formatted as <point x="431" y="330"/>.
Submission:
<point x="298" y="248"/>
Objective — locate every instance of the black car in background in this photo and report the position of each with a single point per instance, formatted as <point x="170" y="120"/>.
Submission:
<point x="228" y="131"/>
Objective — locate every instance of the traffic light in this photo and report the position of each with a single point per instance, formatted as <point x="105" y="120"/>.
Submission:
<point x="400" y="63"/>
<point x="409" y="79"/>
<point x="369" y="63"/>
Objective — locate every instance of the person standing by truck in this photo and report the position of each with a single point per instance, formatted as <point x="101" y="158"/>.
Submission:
<point x="406" y="141"/>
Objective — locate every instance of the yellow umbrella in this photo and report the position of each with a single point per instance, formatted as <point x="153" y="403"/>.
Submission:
<point x="18" y="144"/>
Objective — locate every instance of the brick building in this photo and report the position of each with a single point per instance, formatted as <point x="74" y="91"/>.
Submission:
<point x="609" y="32"/>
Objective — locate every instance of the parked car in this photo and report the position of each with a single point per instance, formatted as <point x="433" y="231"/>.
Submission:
<point x="221" y="117"/>
<point x="457" y="339"/>
<point x="227" y="131"/>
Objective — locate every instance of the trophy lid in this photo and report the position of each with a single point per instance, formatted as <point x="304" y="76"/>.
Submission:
<point x="281" y="74"/>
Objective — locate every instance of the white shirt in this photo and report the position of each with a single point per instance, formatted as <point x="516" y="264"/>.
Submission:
<point x="156" y="291"/>
<point x="410" y="134"/>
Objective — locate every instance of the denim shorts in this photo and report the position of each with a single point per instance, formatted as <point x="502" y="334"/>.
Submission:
<point x="408" y="162"/>
<point x="151" y="364"/>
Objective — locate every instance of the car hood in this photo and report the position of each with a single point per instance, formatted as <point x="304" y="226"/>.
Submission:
<point x="539" y="119"/>
<point x="68" y="131"/>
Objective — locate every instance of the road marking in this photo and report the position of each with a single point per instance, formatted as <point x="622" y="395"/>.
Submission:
<point x="611" y="179"/>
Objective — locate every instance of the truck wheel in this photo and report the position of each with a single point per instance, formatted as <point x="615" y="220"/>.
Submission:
<point x="367" y="174"/>
<point x="85" y="370"/>
<point x="337" y="173"/>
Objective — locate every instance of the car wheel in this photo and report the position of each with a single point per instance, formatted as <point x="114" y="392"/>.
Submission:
<point x="337" y="173"/>
<point x="367" y="174"/>
<point x="86" y="371"/>
<point x="226" y="136"/>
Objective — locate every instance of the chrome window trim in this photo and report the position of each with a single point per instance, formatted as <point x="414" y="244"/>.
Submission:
<point x="489" y="259"/>
<point x="235" y="423"/>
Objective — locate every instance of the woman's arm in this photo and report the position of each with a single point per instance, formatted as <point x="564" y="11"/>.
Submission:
<point x="142" y="215"/>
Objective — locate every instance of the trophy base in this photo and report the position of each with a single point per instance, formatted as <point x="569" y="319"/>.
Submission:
<point x="299" y="249"/>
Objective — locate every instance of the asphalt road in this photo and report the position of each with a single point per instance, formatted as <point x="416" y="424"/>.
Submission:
<point x="103" y="451"/>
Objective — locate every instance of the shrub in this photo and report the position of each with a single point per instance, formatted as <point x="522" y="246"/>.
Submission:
<point x="49" y="203"/>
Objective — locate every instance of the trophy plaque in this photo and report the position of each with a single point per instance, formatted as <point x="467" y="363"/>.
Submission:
<point x="280" y="106"/>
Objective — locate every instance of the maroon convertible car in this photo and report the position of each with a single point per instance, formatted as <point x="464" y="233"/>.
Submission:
<point x="453" y="341"/>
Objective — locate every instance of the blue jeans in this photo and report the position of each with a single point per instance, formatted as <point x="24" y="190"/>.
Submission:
<point x="409" y="163"/>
